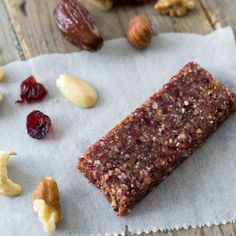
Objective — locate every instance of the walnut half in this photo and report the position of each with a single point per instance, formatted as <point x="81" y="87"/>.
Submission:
<point x="46" y="204"/>
<point x="174" y="7"/>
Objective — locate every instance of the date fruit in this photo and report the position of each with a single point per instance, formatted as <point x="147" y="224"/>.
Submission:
<point x="77" y="25"/>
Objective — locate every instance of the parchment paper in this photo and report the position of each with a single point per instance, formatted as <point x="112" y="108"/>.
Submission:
<point x="201" y="191"/>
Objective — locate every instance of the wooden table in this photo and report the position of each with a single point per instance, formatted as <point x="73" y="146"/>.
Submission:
<point x="28" y="29"/>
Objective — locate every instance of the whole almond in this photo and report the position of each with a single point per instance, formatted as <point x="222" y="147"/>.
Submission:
<point x="77" y="25"/>
<point x="77" y="91"/>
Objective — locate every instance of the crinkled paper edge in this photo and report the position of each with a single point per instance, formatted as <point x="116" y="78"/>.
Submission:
<point x="107" y="42"/>
<point x="178" y="227"/>
<point x="165" y="229"/>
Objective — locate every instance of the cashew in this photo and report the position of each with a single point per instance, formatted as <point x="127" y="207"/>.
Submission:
<point x="1" y="97"/>
<point x="2" y="73"/>
<point x="7" y="187"/>
<point x="46" y="204"/>
<point x="77" y="91"/>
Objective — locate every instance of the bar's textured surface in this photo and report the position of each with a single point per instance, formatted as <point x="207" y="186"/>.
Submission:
<point x="150" y="143"/>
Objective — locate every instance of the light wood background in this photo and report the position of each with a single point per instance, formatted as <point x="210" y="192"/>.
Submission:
<point x="27" y="29"/>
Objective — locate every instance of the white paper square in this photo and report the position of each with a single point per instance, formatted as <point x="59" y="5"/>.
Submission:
<point x="201" y="191"/>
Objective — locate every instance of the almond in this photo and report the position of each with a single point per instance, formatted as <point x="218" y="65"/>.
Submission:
<point x="77" y="91"/>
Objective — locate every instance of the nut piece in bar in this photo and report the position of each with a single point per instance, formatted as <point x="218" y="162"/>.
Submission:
<point x="141" y="151"/>
<point x="46" y="204"/>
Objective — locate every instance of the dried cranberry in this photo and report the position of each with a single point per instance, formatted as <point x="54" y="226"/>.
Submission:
<point x="38" y="124"/>
<point x="31" y="91"/>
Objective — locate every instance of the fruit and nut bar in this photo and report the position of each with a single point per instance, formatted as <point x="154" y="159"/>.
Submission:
<point x="141" y="151"/>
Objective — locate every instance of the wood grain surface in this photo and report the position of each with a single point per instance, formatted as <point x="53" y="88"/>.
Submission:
<point x="28" y="29"/>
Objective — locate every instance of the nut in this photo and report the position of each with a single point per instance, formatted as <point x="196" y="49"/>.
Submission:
<point x="7" y="187"/>
<point x="77" y="25"/>
<point x="174" y="7"/>
<point x="107" y="4"/>
<point x="103" y="4"/>
<point x="2" y="73"/>
<point x="140" y="31"/>
<point x="46" y="204"/>
<point x="77" y="91"/>
<point x="129" y="2"/>
<point x="1" y="97"/>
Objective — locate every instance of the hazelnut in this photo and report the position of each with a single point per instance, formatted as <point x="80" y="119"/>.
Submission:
<point x="140" y="31"/>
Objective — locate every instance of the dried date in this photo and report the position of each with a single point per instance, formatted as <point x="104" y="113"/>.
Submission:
<point x="77" y="25"/>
